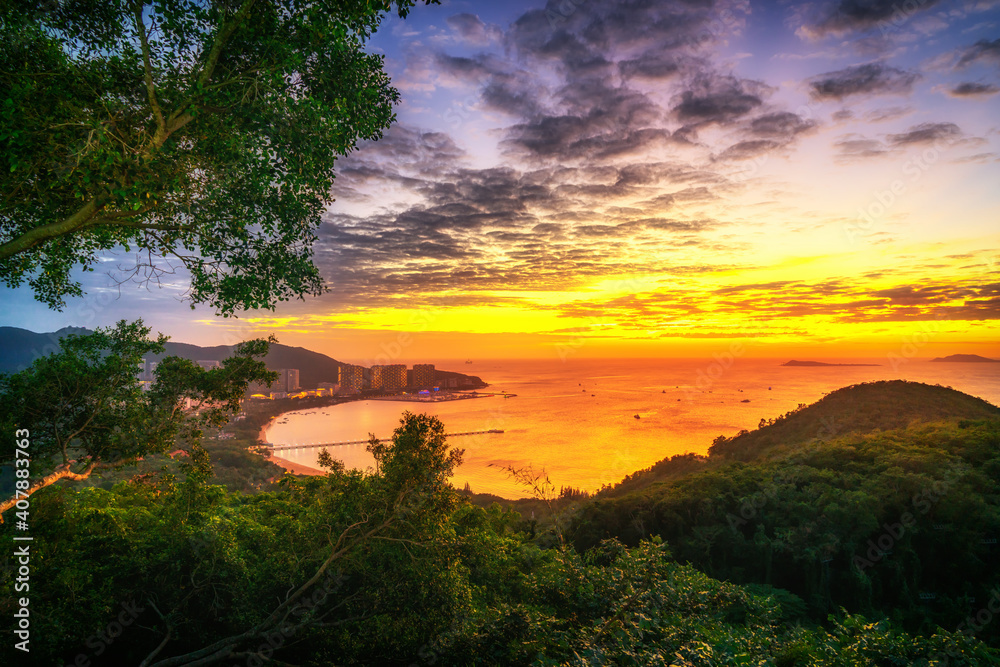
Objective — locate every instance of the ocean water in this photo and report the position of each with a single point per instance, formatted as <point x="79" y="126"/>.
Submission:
<point x="576" y="420"/>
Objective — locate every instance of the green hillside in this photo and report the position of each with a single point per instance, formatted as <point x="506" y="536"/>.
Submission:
<point x="861" y="408"/>
<point x="882" y="499"/>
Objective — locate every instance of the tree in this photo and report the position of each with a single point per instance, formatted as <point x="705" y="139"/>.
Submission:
<point x="83" y="409"/>
<point x="203" y="132"/>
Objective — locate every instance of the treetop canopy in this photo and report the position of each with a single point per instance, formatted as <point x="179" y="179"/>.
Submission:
<point x="190" y="133"/>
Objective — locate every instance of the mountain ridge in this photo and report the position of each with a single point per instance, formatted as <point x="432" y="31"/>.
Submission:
<point x="20" y="347"/>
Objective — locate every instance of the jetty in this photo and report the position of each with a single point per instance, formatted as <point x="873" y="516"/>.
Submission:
<point x="278" y="448"/>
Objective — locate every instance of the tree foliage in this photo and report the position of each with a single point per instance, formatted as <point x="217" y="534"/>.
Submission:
<point x="192" y="133"/>
<point x="899" y="523"/>
<point x="390" y="567"/>
<point x="85" y="409"/>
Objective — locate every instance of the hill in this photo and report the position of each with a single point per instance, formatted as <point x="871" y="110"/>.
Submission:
<point x="966" y="358"/>
<point x="861" y="408"/>
<point x="900" y="524"/>
<point x="871" y="406"/>
<point x="20" y="347"/>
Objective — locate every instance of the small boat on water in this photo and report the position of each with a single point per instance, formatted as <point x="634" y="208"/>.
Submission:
<point x="636" y="416"/>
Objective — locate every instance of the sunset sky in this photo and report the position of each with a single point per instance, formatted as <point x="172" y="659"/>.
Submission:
<point x="605" y="178"/>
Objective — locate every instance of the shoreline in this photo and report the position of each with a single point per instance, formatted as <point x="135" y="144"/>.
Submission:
<point x="293" y="467"/>
<point x="289" y="466"/>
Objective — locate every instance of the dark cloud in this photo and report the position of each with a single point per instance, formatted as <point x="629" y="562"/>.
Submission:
<point x="474" y="69"/>
<point x="984" y="49"/>
<point x="780" y="125"/>
<point x="969" y="89"/>
<point x="855" y="146"/>
<point x="867" y="79"/>
<point x="745" y="150"/>
<point x="607" y="122"/>
<point x="718" y="99"/>
<point x="926" y="133"/>
<point x="657" y="66"/>
<point x="852" y="15"/>
<point x="471" y="28"/>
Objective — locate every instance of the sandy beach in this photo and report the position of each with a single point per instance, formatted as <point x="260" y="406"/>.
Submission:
<point x="289" y="466"/>
<point x="295" y="468"/>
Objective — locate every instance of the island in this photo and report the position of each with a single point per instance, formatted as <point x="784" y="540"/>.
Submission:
<point x="795" y="362"/>
<point x="966" y="358"/>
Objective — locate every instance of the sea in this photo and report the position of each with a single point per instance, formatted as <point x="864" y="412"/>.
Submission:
<point x="585" y="423"/>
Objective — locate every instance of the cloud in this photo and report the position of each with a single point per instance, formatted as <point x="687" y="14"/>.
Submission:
<point x="780" y="125"/>
<point x="718" y="99"/>
<point x="856" y="146"/>
<point x="969" y="89"/>
<point x="745" y="150"/>
<point x="860" y="15"/>
<point x="984" y="49"/>
<point x="850" y="148"/>
<point x="926" y="133"/>
<point x="471" y="28"/>
<point x="867" y="79"/>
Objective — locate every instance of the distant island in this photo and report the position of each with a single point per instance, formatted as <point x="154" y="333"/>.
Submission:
<point x="794" y="362"/>
<point x="966" y="358"/>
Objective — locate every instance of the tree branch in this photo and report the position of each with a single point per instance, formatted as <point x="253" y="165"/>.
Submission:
<point x="39" y="235"/>
<point x="140" y="28"/>
<point x="181" y="116"/>
<point x="48" y="480"/>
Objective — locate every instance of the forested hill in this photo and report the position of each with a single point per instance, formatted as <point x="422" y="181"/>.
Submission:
<point x="861" y="408"/>
<point x="20" y="347"/>
<point x="882" y="499"/>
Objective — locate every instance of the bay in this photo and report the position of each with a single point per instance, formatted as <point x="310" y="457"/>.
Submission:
<point x="576" y="420"/>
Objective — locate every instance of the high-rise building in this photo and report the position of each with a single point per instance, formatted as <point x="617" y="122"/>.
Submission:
<point x="424" y="375"/>
<point x="209" y="365"/>
<point x="288" y="379"/>
<point x="388" y="377"/>
<point x="349" y="377"/>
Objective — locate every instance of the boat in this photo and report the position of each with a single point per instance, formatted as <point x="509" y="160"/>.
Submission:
<point x="636" y="416"/>
<point x="468" y="361"/>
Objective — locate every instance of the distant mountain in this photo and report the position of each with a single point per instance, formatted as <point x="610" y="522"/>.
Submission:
<point x="966" y="358"/>
<point x="20" y="347"/>
<point x="794" y="362"/>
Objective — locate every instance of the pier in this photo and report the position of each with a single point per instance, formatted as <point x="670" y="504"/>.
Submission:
<point x="278" y="448"/>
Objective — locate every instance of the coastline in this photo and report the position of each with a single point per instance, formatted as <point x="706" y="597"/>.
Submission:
<point x="293" y="467"/>
<point x="289" y="466"/>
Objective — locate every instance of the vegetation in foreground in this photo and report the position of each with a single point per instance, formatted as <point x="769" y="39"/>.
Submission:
<point x="392" y="567"/>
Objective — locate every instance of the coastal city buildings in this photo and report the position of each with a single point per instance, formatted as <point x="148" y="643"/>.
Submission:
<point x="388" y="377"/>
<point x="423" y="375"/>
<point x="350" y="378"/>
<point x="288" y="380"/>
<point x="327" y="388"/>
